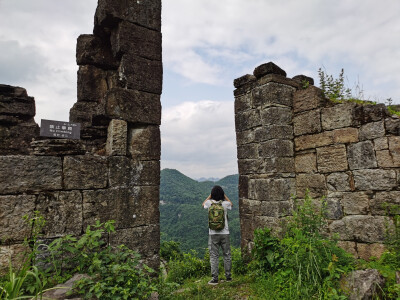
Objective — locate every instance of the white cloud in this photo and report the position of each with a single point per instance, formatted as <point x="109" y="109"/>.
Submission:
<point x="199" y="139"/>
<point x="360" y="36"/>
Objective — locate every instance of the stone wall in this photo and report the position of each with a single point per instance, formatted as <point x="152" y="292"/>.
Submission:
<point x="113" y="172"/>
<point x="291" y="138"/>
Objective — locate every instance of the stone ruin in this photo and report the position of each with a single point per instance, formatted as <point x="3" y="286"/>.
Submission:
<point x="113" y="171"/>
<point x="290" y="138"/>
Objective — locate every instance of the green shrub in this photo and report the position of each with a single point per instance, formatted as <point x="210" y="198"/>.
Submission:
<point x="302" y="264"/>
<point x="170" y="250"/>
<point x="188" y="266"/>
<point x="333" y="88"/>
<point x="239" y="266"/>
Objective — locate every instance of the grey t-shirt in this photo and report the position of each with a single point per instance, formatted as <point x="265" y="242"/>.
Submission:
<point x="226" y="205"/>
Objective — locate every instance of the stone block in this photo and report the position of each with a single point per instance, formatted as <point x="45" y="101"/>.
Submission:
<point x="349" y="247"/>
<point x="144" y="142"/>
<point x="29" y="173"/>
<point x="93" y="83"/>
<point x="273" y="189"/>
<point x="303" y="79"/>
<point x="273" y="94"/>
<point x="246" y="88"/>
<point x="375" y="179"/>
<point x="339" y="182"/>
<point x="144" y="239"/>
<point x="275" y="78"/>
<point x="361" y="155"/>
<point x="392" y="126"/>
<point x="243" y="102"/>
<point x="334" y="210"/>
<point x="270" y="132"/>
<point x="125" y="172"/>
<point x="250" y="166"/>
<point x="137" y="40"/>
<point x="133" y="106"/>
<point x="274" y="208"/>
<point x="117" y="137"/>
<point x="238" y="82"/>
<point x="313" y="140"/>
<point x="138" y="73"/>
<point x="381" y="144"/>
<point x="363" y="284"/>
<point x="247" y="120"/>
<point x="129" y="207"/>
<point x="389" y="158"/>
<point x="62" y="212"/>
<point x="15" y="253"/>
<point x="272" y="115"/>
<point x="370" y="113"/>
<point x="17" y="106"/>
<point x="307" y="99"/>
<point x="249" y="151"/>
<point x="145" y="13"/>
<point x="92" y="50"/>
<point x="338" y="116"/>
<point x="307" y="122"/>
<point x="12" y="91"/>
<point x="356" y="203"/>
<point x="277" y="165"/>
<point x="306" y="163"/>
<point x="364" y="229"/>
<point x="268" y="68"/>
<point x="85" y="172"/>
<point x="57" y="147"/>
<point x="243" y="186"/>
<point x="384" y="159"/>
<point x="345" y="135"/>
<point x="249" y="207"/>
<point x="245" y="137"/>
<point x="12" y="210"/>
<point x="381" y="203"/>
<point x="315" y="183"/>
<point x="274" y="223"/>
<point x="366" y="251"/>
<point x="394" y="148"/>
<point x="276" y="148"/>
<point x="83" y="112"/>
<point x="16" y="139"/>
<point x="372" y="130"/>
<point x="332" y="159"/>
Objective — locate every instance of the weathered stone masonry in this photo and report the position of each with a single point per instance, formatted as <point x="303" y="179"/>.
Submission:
<point x="113" y="172"/>
<point x="291" y="139"/>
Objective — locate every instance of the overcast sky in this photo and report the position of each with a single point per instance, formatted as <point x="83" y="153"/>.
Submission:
<point x="206" y="45"/>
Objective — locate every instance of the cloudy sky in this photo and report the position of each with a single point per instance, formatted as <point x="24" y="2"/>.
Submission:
<point x="206" y="45"/>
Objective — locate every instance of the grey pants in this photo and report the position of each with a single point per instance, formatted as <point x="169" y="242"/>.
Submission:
<point x="214" y="242"/>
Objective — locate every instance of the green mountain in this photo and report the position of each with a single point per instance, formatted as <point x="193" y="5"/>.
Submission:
<point x="182" y="217"/>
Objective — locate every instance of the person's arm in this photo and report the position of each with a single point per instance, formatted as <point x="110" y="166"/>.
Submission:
<point x="227" y="199"/>
<point x="208" y="198"/>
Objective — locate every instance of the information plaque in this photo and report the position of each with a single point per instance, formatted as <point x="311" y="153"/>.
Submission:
<point x="60" y="130"/>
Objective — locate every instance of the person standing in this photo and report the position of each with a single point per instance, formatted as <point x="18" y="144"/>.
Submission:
<point x="219" y="238"/>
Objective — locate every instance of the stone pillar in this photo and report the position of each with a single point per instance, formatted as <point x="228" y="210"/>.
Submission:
<point x="264" y="133"/>
<point x="119" y="90"/>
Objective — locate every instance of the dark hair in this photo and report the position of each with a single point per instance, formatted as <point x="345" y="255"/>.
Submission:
<point x="217" y="193"/>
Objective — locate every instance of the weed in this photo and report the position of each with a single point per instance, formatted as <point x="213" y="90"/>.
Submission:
<point x="333" y="88"/>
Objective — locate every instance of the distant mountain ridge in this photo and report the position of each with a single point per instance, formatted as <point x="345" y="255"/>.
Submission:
<point x="212" y="179"/>
<point x="182" y="217"/>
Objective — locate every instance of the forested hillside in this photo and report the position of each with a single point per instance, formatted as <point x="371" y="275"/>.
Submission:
<point x="182" y="217"/>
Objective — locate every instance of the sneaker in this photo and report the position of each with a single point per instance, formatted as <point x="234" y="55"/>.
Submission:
<point x="213" y="281"/>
